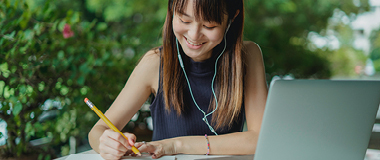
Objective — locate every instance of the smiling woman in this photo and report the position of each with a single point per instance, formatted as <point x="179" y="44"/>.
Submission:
<point x="200" y="36"/>
<point x="205" y="80"/>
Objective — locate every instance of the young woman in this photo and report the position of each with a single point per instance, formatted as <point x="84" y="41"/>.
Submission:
<point x="206" y="83"/>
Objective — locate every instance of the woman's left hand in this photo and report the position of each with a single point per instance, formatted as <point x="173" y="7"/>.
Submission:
<point x="157" y="148"/>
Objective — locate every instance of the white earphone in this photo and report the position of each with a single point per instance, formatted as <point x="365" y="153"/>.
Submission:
<point x="212" y="83"/>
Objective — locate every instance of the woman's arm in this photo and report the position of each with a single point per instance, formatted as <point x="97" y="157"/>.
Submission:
<point x="234" y="143"/>
<point x="142" y="82"/>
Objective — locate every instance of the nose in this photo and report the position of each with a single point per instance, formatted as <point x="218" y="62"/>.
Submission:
<point x="194" y="33"/>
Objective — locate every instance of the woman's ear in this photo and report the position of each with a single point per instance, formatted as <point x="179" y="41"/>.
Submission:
<point x="236" y="14"/>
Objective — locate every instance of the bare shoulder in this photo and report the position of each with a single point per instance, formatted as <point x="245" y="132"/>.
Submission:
<point x="252" y="52"/>
<point x="149" y="62"/>
<point x="250" y="44"/>
<point x="152" y="57"/>
<point x="148" y="69"/>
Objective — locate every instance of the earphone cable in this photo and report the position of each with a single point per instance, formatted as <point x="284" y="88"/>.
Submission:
<point x="212" y="82"/>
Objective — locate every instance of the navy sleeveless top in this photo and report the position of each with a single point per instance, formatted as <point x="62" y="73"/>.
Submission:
<point x="169" y="124"/>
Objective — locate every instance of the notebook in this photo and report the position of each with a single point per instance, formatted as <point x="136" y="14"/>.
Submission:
<point x="98" y="157"/>
<point x="318" y="120"/>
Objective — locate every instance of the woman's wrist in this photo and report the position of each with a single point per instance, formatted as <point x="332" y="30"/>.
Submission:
<point x="177" y="145"/>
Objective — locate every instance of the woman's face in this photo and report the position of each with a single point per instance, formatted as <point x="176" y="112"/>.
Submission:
<point x="197" y="38"/>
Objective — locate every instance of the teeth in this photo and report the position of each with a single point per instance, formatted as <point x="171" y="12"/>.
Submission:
<point x="193" y="43"/>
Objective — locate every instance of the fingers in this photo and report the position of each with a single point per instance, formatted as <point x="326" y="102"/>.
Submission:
<point x="118" y="137"/>
<point x="139" y="144"/>
<point x="131" y="138"/>
<point x="110" y="153"/>
<point x="128" y="153"/>
<point x="113" y="145"/>
<point x="155" y="149"/>
<point x="114" y="140"/>
<point x="145" y="147"/>
<point x="158" y="153"/>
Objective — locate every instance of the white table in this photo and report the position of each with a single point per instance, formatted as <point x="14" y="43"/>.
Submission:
<point x="188" y="157"/>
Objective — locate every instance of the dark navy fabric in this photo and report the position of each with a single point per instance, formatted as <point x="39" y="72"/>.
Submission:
<point x="169" y="124"/>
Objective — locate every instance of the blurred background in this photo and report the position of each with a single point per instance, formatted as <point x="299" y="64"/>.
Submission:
<point x="53" y="54"/>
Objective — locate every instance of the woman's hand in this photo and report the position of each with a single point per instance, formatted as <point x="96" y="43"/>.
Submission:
<point x="157" y="148"/>
<point x="113" y="145"/>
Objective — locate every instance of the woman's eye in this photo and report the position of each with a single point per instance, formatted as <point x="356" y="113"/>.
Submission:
<point x="183" y="21"/>
<point x="209" y="27"/>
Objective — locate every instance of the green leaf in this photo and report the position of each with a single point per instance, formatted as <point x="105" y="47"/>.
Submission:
<point x="25" y="19"/>
<point x="83" y="91"/>
<point x="41" y="86"/>
<point x="24" y="48"/>
<point x="13" y="80"/>
<point x="17" y="109"/>
<point x="37" y="28"/>
<point x="2" y="84"/>
<point x="28" y="35"/>
<point x="61" y="25"/>
<point x="288" y="6"/>
<point x="75" y="18"/>
<point x="24" y="100"/>
<point x="22" y="89"/>
<point x="38" y="126"/>
<point x="58" y="85"/>
<point x="7" y="92"/>
<point x="10" y="35"/>
<point x="29" y="89"/>
<point x="40" y="156"/>
<point x="13" y="69"/>
<point x="13" y="99"/>
<point x="48" y="157"/>
<point x="29" y="129"/>
<point x="61" y="54"/>
<point x="64" y="90"/>
<point x="80" y="80"/>
<point x="54" y="26"/>
<point x="101" y="26"/>
<point x="4" y="67"/>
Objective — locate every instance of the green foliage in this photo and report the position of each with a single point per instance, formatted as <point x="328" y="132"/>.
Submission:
<point x="375" y="53"/>
<point x="38" y="65"/>
<point x="281" y="28"/>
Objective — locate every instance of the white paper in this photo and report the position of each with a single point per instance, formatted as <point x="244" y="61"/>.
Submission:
<point x="98" y="157"/>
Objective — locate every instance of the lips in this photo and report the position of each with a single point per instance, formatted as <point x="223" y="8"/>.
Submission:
<point x="193" y="45"/>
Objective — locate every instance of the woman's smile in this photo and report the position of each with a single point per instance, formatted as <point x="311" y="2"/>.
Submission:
<point x="193" y="45"/>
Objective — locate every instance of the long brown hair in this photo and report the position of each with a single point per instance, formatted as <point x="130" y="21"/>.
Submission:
<point x="230" y="69"/>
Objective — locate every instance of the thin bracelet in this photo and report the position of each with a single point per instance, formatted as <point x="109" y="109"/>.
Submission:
<point x="208" y="145"/>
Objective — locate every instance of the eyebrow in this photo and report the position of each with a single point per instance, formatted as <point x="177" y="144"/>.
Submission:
<point x="184" y="14"/>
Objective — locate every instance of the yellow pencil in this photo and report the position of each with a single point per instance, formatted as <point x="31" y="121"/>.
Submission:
<point x="108" y="122"/>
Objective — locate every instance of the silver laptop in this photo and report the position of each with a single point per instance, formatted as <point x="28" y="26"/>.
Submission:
<point x="318" y="120"/>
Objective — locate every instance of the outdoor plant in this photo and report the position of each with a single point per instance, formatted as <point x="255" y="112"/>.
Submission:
<point x="50" y="60"/>
<point x="53" y="54"/>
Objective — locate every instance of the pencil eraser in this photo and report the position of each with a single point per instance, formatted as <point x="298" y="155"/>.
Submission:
<point x="86" y="99"/>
